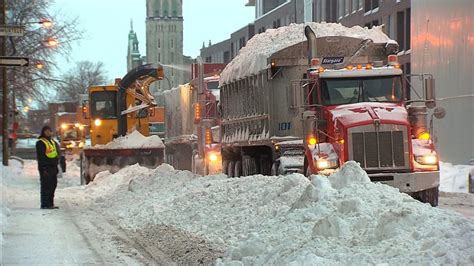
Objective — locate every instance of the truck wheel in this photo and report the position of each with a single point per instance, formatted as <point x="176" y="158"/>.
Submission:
<point x="230" y="169"/>
<point x="225" y="165"/>
<point x="428" y="196"/>
<point x="275" y="169"/>
<point x="249" y="165"/>
<point x="253" y="166"/>
<point x="238" y="169"/>
<point x="265" y="165"/>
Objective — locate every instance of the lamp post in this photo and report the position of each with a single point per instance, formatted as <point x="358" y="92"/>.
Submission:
<point x="5" y="90"/>
<point x="50" y="42"/>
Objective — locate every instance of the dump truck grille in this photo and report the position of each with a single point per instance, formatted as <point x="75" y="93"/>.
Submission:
<point x="379" y="149"/>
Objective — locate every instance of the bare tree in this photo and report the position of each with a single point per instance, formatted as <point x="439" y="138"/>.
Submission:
<point x="31" y="82"/>
<point x="77" y="80"/>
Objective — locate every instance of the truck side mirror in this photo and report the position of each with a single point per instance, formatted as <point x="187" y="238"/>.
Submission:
<point x="430" y="94"/>
<point x="439" y="112"/>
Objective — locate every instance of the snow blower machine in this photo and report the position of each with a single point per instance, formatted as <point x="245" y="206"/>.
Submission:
<point x="115" y="111"/>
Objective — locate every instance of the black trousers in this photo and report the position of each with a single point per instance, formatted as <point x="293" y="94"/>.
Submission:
<point x="49" y="181"/>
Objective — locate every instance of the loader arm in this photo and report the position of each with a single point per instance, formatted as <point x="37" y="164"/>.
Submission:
<point x="136" y="83"/>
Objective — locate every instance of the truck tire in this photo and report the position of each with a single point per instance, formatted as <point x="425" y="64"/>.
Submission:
<point x="249" y="165"/>
<point x="265" y="165"/>
<point x="225" y="165"/>
<point x="238" y="169"/>
<point x="428" y="196"/>
<point x="275" y="171"/>
<point x="231" y="169"/>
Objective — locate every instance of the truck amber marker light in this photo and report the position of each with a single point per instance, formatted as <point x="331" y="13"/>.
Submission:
<point x="312" y="140"/>
<point x="424" y="136"/>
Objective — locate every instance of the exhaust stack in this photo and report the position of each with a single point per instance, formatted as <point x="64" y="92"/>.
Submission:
<point x="311" y="41"/>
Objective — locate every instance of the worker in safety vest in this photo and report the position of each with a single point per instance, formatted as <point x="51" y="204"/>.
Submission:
<point x="48" y="154"/>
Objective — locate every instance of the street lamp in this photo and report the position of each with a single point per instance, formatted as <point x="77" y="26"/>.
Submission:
<point x="46" y="23"/>
<point x="39" y="65"/>
<point x="51" y="42"/>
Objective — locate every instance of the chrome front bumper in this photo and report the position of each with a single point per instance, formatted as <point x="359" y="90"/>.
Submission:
<point x="408" y="182"/>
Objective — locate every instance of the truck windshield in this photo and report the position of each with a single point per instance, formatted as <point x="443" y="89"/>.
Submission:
<point x="336" y="91"/>
<point x="103" y="104"/>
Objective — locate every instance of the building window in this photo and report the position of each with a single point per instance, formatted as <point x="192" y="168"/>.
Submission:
<point x="400" y="30"/>
<point x="165" y="8"/>
<point x="159" y="43"/>
<point x="341" y="8"/>
<point x="159" y="57"/>
<point x="172" y="43"/>
<point x="226" y="57"/>
<point x="241" y="42"/>
<point x="371" y="6"/>
<point x="175" y="8"/>
<point x="172" y="57"/>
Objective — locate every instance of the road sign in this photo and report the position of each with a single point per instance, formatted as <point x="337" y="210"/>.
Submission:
<point x="14" y="61"/>
<point x="14" y="31"/>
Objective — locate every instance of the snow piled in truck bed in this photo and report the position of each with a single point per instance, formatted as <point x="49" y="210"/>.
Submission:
<point x="252" y="58"/>
<point x="134" y="140"/>
<point x="343" y="219"/>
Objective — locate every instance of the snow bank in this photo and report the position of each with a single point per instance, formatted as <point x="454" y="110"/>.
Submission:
<point x="252" y="58"/>
<point x="7" y="173"/>
<point x="134" y="140"/>
<point x="290" y="220"/>
<point x="454" y="178"/>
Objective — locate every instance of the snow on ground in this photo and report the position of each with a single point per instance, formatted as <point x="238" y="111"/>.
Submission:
<point x="454" y="178"/>
<point x="343" y="219"/>
<point x="253" y="57"/>
<point x="134" y="140"/>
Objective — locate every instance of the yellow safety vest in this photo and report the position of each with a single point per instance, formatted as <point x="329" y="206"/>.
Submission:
<point x="51" y="151"/>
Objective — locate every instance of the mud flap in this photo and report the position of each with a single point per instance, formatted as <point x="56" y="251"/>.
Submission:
<point x="427" y="196"/>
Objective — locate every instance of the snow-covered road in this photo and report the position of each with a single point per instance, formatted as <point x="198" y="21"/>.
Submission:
<point x="165" y="216"/>
<point x="71" y="235"/>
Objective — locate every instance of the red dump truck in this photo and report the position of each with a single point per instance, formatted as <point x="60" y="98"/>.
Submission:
<point x="341" y="94"/>
<point x="192" y="122"/>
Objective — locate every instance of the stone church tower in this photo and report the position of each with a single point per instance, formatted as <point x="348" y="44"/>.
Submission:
<point x="134" y="58"/>
<point x="164" y="40"/>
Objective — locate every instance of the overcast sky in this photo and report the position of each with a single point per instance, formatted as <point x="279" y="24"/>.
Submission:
<point x="107" y="23"/>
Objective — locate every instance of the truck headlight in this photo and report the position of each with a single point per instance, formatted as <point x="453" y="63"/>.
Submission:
<point x="213" y="157"/>
<point x="430" y="159"/>
<point x="81" y="144"/>
<point x="322" y="164"/>
<point x="97" y="122"/>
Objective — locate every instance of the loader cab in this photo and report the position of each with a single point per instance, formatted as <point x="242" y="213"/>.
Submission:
<point x="103" y="114"/>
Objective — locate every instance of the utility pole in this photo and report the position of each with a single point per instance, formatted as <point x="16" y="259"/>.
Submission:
<point x="3" y="49"/>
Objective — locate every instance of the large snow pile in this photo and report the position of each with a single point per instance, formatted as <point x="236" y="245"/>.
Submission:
<point x="343" y="219"/>
<point x="252" y="58"/>
<point x="454" y="178"/>
<point x="7" y="173"/>
<point x="134" y="140"/>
